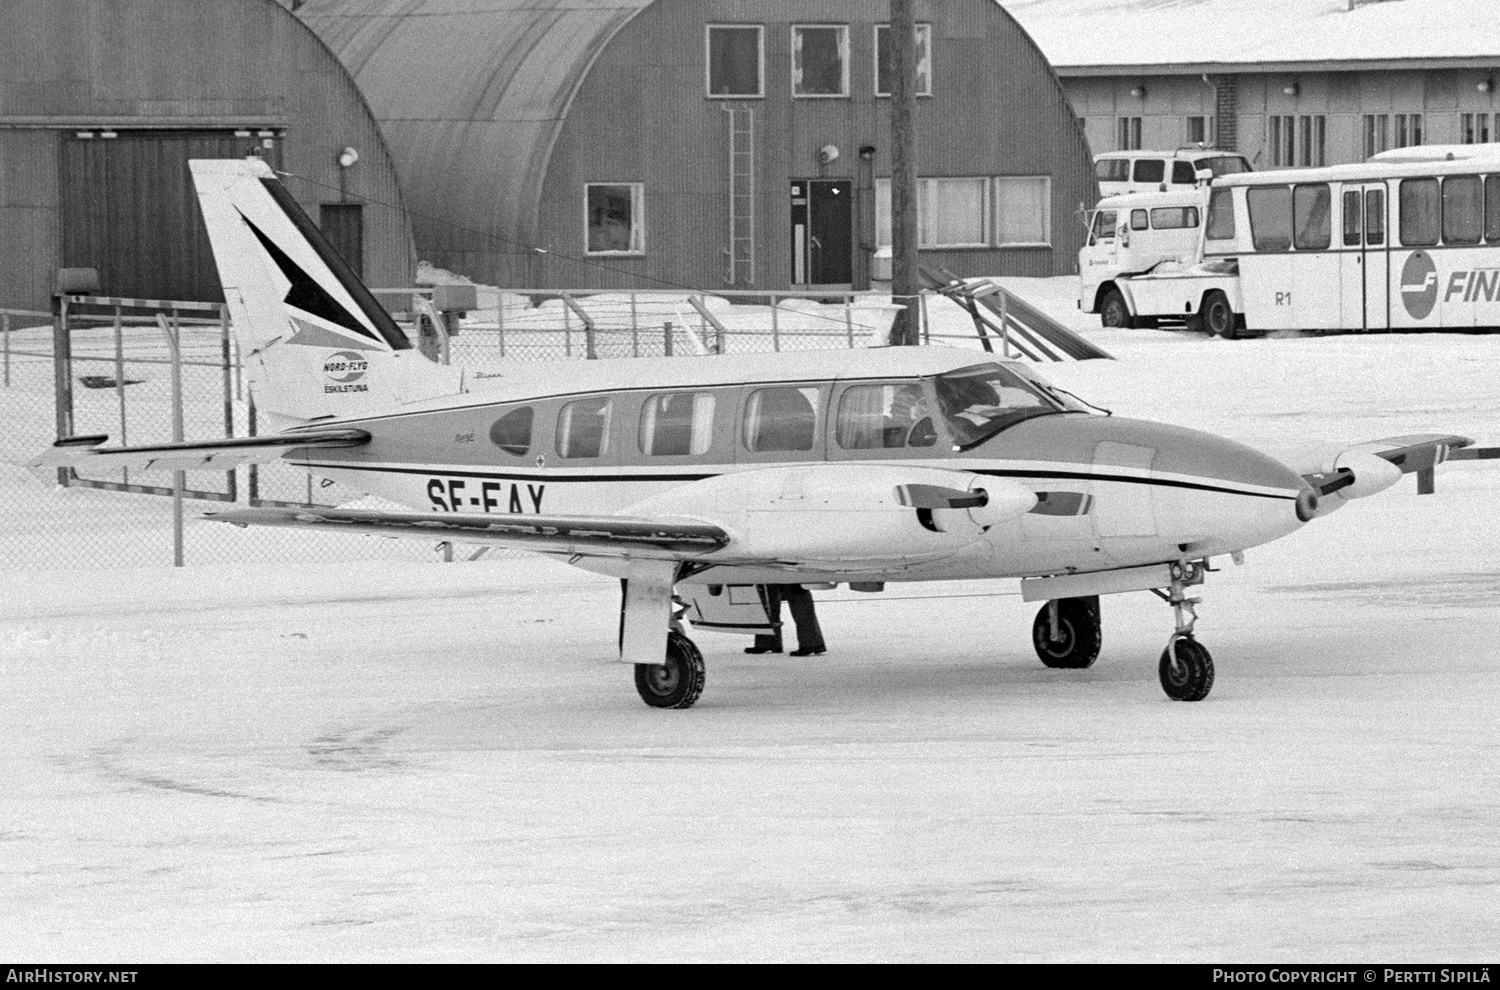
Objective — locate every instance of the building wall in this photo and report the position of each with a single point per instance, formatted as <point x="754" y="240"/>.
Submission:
<point x="641" y="115"/>
<point x="1343" y="99"/>
<point x="72" y="66"/>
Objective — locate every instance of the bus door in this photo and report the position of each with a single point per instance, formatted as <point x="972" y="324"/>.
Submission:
<point x="1365" y="272"/>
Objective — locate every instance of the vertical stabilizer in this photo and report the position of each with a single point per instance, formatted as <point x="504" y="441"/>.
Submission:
<point x="314" y="341"/>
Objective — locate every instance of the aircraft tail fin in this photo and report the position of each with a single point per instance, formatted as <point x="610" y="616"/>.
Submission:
<point x="315" y="342"/>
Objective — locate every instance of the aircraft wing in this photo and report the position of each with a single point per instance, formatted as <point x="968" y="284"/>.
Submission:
<point x="1366" y="468"/>
<point x="191" y="455"/>
<point x="590" y="536"/>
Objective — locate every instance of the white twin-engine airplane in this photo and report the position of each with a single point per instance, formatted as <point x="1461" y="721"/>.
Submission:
<point x="700" y="478"/>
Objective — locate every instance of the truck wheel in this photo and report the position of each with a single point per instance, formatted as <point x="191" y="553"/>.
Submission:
<point x="1113" y="312"/>
<point x="1217" y="316"/>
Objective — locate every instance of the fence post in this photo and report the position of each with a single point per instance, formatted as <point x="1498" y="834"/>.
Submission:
<point x="5" y="329"/>
<point x="567" y="326"/>
<point x="849" y="319"/>
<point x="233" y="475"/>
<point x="500" y="321"/>
<point x="179" y="478"/>
<point x="62" y="374"/>
<point x="1004" y="327"/>
<point x="667" y="338"/>
<point x="775" y="324"/>
<point x="926" y="321"/>
<point x="635" y="329"/>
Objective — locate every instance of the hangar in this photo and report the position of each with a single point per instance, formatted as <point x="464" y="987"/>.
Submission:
<point x="710" y="143"/>
<point x="103" y="103"/>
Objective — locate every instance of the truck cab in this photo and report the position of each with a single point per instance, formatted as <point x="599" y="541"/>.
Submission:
<point x="1134" y="234"/>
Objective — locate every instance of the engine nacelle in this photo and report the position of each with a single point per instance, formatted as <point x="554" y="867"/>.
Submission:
<point x="841" y="514"/>
<point x="1370" y="473"/>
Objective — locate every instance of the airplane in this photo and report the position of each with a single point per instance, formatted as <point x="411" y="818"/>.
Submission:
<point x="693" y="480"/>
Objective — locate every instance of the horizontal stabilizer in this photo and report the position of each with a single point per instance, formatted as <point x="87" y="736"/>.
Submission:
<point x="192" y="455"/>
<point x="594" y="536"/>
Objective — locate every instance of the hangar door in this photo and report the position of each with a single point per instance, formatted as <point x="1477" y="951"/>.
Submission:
<point x="129" y="210"/>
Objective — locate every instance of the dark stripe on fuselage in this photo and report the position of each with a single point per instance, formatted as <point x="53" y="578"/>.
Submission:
<point x="603" y="478"/>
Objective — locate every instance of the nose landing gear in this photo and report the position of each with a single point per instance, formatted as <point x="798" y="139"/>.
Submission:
<point x="1186" y="668"/>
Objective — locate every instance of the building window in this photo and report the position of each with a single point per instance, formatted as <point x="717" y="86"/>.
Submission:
<point x="951" y="213"/>
<point x="1312" y="139"/>
<point x="583" y="428"/>
<point x="736" y="60"/>
<point x="1283" y="140"/>
<point x="820" y="60"/>
<point x="614" y="213"/>
<point x="1377" y="133"/>
<point x="1474" y="128"/>
<point x="1023" y="210"/>
<point x="674" y="424"/>
<point x="1408" y="130"/>
<point x="883" y="60"/>
<point x="1200" y="131"/>
<point x="1127" y="133"/>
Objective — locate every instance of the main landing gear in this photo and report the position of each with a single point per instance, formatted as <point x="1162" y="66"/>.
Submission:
<point x="676" y="683"/>
<point x="1067" y="632"/>
<point x="1186" y="668"/>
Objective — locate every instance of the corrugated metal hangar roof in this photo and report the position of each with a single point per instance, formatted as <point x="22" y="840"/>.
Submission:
<point x="455" y="82"/>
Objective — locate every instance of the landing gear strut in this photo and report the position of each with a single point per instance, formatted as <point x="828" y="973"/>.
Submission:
<point x="1186" y="668"/>
<point x="1067" y="632"/>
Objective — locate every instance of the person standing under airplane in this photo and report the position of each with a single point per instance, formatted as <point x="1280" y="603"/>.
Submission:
<point x="800" y="601"/>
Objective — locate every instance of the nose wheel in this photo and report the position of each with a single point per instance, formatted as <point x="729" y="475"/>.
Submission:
<point x="1186" y="668"/>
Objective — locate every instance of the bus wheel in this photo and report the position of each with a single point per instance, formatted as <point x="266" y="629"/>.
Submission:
<point x="676" y="683"/>
<point x="1113" y="312"/>
<point x="1217" y="317"/>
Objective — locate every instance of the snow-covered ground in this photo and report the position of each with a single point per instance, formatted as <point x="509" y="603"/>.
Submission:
<point x="403" y="761"/>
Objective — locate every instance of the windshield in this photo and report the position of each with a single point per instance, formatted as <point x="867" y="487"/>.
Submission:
<point x="980" y="401"/>
<point x="1223" y="165"/>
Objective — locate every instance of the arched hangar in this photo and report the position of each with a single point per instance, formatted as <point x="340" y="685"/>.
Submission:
<point x="103" y="103"/>
<point x="710" y="143"/>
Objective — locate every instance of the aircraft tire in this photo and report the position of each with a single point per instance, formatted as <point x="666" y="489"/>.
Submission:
<point x="1192" y="677"/>
<point x="1080" y="634"/>
<point x="676" y="683"/>
<point x="1113" y="312"/>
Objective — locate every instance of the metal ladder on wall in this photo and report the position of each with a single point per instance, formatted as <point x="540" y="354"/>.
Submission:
<point x="741" y="195"/>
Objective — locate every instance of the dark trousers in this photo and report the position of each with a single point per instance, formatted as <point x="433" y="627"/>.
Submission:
<point x="800" y="601"/>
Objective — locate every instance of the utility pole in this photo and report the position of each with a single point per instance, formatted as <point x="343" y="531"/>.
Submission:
<point x="903" y="35"/>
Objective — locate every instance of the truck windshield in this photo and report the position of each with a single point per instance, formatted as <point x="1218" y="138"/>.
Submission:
<point x="981" y="400"/>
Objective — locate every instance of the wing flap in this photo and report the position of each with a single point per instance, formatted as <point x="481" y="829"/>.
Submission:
<point x="593" y="536"/>
<point x="191" y="455"/>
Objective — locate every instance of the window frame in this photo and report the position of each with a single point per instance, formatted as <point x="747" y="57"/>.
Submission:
<point x="844" y="52"/>
<point x="637" y="221"/>
<point x="714" y="397"/>
<point x="875" y="61"/>
<point x="1478" y="181"/>
<point x="563" y="417"/>
<point x="760" y="70"/>
<point x="1402" y="226"/>
<point x="742" y="451"/>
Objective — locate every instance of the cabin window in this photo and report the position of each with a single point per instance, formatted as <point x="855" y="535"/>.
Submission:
<point x="1023" y="210"/>
<point x="1351" y="218"/>
<point x="1183" y="174"/>
<point x="675" y="424"/>
<point x="1112" y="170"/>
<point x="1174" y="217"/>
<point x="1421" y="211"/>
<point x="1104" y="226"/>
<point x="615" y="215"/>
<point x="1139" y="220"/>
<point x="512" y="432"/>
<point x="1492" y="208"/>
<point x="1220" y="215"/>
<point x="1463" y="209"/>
<point x="1270" y="217"/>
<point x="1152" y="170"/>
<point x="874" y="417"/>
<point x="736" y="60"/>
<point x="981" y="400"/>
<point x="583" y="428"/>
<point x="820" y="60"/>
<point x="1312" y="206"/>
<point x="883" y="59"/>
<point x="781" y="419"/>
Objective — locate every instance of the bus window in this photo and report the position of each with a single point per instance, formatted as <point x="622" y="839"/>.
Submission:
<point x="583" y="428"/>
<point x="1174" y="217"/>
<point x="1183" y="174"/>
<point x="1138" y="220"/>
<point x="1104" y="227"/>
<point x="880" y="416"/>
<point x="1421" y="212"/>
<point x="1352" y="230"/>
<point x="1492" y="208"/>
<point x="1150" y="170"/>
<point x="1270" y="217"/>
<point x="781" y="419"/>
<point x="1374" y="216"/>
<point x="1463" y="210"/>
<point x="677" y="423"/>
<point x="1311" y="217"/>
<point x="512" y="432"/>
<point x="1221" y="215"/>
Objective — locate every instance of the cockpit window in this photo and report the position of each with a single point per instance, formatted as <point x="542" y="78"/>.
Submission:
<point x="982" y="400"/>
<point x="512" y="432"/>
